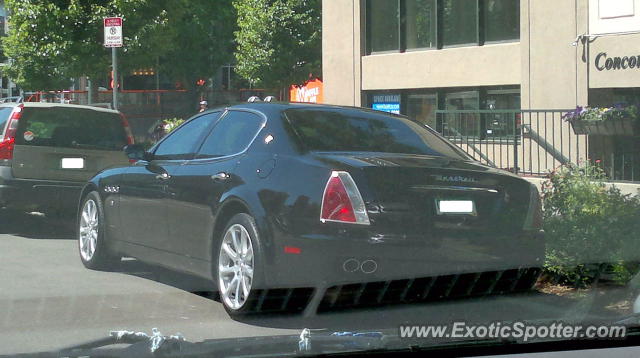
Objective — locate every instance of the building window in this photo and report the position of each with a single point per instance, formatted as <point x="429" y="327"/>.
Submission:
<point x="400" y="25"/>
<point x="459" y="22"/>
<point x="440" y="109"/>
<point x="422" y="108"/>
<point x="462" y="124"/>
<point x="420" y="23"/>
<point x="383" y="20"/>
<point x="501" y="125"/>
<point x="501" y="20"/>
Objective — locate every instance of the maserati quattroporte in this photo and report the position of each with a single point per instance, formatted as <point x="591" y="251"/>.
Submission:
<point x="301" y="206"/>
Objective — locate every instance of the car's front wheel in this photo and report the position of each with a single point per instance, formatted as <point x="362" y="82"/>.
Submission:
<point x="237" y="264"/>
<point x="94" y="251"/>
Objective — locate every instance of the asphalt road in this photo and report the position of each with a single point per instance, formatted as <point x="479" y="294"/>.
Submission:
<point x="48" y="300"/>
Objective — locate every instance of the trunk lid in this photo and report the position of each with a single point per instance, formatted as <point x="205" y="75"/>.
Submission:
<point x="404" y="193"/>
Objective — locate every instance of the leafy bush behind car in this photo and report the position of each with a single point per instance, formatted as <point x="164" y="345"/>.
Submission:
<point x="590" y="229"/>
<point x="171" y="124"/>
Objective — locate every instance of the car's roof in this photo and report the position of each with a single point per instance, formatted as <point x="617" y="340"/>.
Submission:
<point x="57" y="105"/>
<point x="282" y="106"/>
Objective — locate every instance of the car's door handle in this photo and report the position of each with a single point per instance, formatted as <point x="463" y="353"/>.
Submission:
<point x="220" y="176"/>
<point x="163" y="176"/>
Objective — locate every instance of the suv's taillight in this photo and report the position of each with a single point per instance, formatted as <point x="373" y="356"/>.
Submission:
<point x="342" y="201"/>
<point x="127" y="129"/>
<point x="8" y="141"/>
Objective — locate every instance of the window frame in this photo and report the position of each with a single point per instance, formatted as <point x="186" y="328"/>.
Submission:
<point x="403" y="32"/>
<point x="479" y="27"/>
<point x="439" y="44"/>
<point x="368" y="35"/>
<point x="482" y="27"/>
<point x="244" y="150"/>
<point x="198" y="142"/>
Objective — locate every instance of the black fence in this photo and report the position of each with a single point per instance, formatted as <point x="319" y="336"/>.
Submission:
<point x="535" y="142"/>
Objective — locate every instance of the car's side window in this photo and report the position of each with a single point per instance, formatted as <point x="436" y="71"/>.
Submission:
<point x="182" y="143"/>
<point x="231" y="135"/>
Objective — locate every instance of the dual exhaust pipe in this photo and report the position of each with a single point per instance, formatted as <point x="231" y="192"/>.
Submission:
<point x="354" y="265"/>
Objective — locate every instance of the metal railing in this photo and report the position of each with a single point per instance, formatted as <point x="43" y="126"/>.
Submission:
<point x="531" y="142"/>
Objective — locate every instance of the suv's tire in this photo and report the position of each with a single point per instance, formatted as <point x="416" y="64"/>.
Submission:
<point x="238" y="277"/>
<point x="92" y="238"/>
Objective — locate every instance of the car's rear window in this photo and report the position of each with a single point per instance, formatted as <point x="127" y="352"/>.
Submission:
<point x="354" y="131"/>
<point x="71" y="128"/>
<point x="5" y="112"/>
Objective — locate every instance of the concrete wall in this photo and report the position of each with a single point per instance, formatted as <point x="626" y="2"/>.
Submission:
<point x="488" y="65"/>
<point x="341" y="51"/>
<point x="554" y="76"/>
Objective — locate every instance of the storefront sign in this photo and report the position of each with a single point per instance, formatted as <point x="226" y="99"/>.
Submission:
<point x="386" y="103"/>
<point x="311" y="92"/>
<point x="605" y="62"/>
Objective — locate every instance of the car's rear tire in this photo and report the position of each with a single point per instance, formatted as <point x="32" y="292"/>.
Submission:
<point x="92" y="238"/>
<point x="238" y="264"/>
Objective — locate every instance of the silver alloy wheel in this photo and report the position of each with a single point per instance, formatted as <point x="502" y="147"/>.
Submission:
<point x="88" y="230"/>
<point x="235" y="267"/>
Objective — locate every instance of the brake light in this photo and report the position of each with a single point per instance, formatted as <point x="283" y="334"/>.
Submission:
<point x="6" y="148"/>
<point x="127" y="129"/>
<point x="8" y="142"/>
<point x="342" y="202"/>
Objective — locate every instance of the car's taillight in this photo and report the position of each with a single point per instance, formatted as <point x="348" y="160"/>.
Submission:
<point x="8" y="141"/>
<point x="6" y="149"/>
<point x="127" y="129"/>
<point x="342" y="201"/>
<point x="534" y="214"/>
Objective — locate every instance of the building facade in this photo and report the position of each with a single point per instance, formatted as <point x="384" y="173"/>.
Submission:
<point x="416" y="57"/>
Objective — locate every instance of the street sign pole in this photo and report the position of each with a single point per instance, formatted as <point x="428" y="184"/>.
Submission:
<point x="114" y="66"/>
<point x="113" y="38"/>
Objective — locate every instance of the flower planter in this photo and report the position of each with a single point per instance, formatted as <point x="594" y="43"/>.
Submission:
<point x="623" y="127"/>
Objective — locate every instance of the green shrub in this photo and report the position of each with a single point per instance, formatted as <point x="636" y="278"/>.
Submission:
<point x="589" y="228"/>
<point x="171" y="124"/>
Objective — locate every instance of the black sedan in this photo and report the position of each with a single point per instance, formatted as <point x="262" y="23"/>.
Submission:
<point x="300" y="206"/>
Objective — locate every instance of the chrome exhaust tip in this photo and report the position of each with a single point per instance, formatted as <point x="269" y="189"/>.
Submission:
<point x="351" y="265"/>
<point x="369" y="266"/>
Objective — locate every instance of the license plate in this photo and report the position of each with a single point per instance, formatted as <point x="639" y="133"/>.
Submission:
<point x="456" y="207"/>
<point x="72" y="163"/>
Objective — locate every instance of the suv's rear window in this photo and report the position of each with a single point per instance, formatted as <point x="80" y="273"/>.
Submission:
<point x="71" y="128"/>
<point x="5" y="112"/>
<point x="353" y="131"/>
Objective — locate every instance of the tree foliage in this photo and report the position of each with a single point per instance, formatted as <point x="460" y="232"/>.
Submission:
<point x="279" y="42"/>
<point x="50" y="42"/>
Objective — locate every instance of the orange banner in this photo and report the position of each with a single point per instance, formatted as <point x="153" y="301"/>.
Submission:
<point x="311" y="92"/>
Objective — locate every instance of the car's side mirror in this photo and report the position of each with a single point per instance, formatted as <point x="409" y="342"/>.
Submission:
<point x="137" y="152"/>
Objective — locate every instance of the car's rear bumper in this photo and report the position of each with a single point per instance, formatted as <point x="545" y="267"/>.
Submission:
<point x="313" y="261"/>
<point x="37" y="194"/>
<point x="319" y="273"/>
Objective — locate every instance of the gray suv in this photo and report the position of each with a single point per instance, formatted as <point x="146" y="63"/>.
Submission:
<point x="48" y="151"/>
